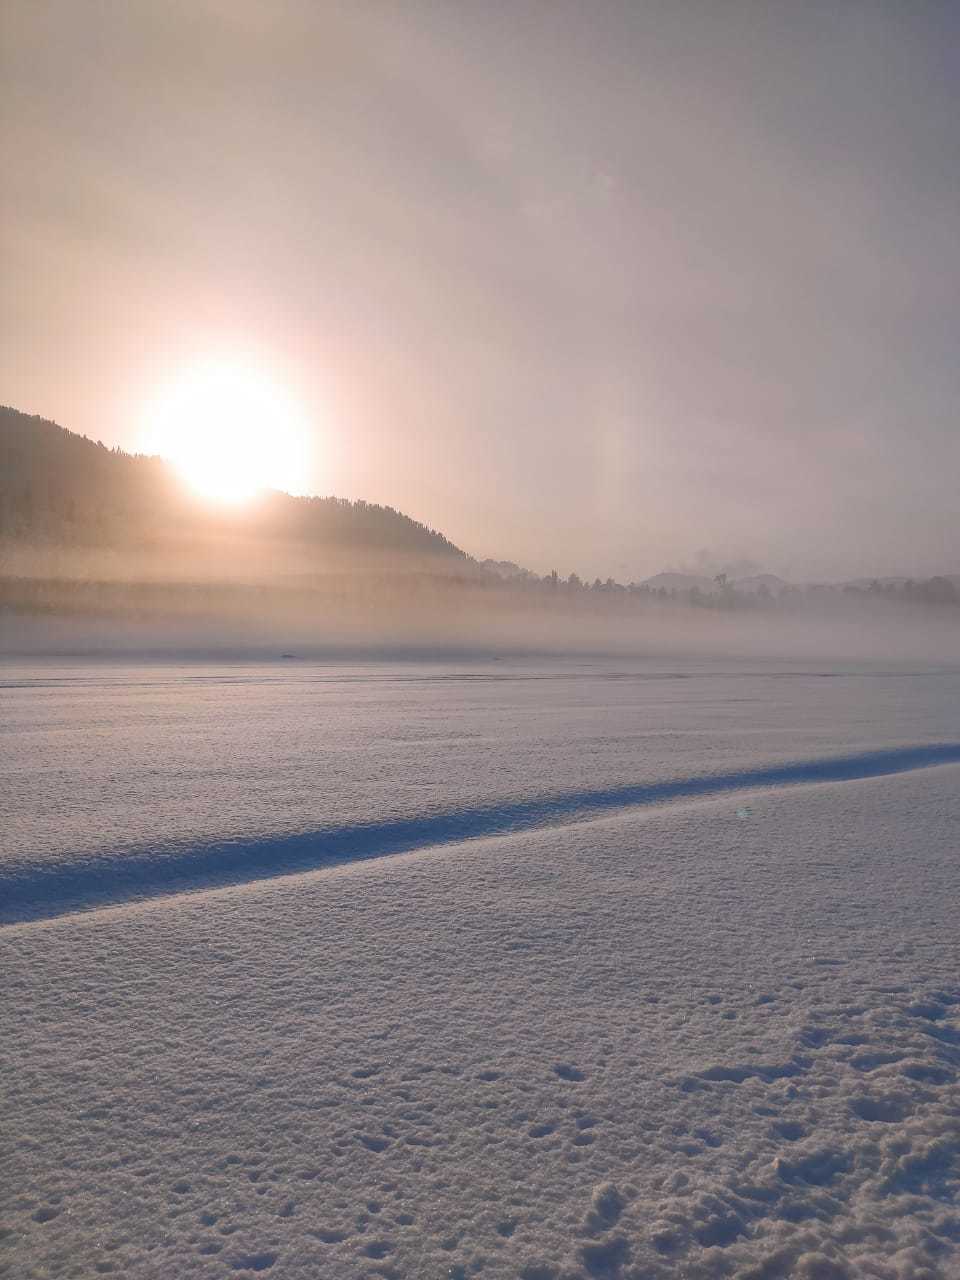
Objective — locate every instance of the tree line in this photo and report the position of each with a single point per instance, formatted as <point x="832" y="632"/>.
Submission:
<point x="61" y="488"/>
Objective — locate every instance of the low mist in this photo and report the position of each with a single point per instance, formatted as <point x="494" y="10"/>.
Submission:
<point x="236" y="597"/>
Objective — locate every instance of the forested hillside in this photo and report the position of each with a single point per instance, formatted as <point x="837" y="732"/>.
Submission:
<point x="60" y="488"/>
<point x="95" y="532"/>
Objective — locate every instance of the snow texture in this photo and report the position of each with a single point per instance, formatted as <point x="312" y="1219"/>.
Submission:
<point x="708" y="1031"/>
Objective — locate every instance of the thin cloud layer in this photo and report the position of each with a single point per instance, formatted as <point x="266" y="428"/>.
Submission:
<point x="593" y="287"/>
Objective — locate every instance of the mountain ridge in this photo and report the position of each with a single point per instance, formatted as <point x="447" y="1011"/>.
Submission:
<point x="59" y="487"/>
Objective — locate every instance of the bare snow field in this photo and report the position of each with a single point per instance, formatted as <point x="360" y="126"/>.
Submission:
<point x="571" y="971"/>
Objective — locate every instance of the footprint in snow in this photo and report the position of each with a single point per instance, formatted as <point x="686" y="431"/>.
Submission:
<point x="566" y="1071"/>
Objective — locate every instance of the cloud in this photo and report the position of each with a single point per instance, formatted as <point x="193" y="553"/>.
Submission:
<point x="585" y="289"/>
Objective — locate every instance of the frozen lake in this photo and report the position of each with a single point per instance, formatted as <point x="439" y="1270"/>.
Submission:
<point x="507" y="969"/>
<point x="125" y="777"/>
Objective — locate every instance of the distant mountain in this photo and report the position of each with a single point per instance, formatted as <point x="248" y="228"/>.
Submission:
<point x="60" y="488"/>
<point x="504" y="569"/>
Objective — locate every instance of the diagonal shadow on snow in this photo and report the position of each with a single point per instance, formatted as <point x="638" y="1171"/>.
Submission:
<point x="46" y="889"/>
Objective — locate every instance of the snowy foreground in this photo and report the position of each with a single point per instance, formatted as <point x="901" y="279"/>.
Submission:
<point x="657" y="973"/>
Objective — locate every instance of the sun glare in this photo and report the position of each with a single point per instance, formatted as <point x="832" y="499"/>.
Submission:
<point x="230" y="431"/>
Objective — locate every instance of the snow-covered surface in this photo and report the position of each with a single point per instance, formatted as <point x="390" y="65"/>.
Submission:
<point x="707" y="1028"/>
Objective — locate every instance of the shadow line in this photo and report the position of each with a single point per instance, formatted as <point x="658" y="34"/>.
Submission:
<point x="48" y="889"/>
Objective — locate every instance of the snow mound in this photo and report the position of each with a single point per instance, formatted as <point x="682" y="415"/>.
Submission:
<point x="43" y="888"/>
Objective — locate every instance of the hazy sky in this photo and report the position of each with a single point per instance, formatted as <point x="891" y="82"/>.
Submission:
<point x="587" y="285"/>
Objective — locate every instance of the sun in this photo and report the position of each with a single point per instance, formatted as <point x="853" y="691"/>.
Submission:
<point x="231" y="431"/>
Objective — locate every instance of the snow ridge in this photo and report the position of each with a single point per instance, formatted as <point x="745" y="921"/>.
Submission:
<point x="34" y="891"/>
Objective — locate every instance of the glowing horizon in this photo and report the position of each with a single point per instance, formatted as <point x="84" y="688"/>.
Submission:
<point x="612" y="289"/>
<point x="231" y="431"/>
